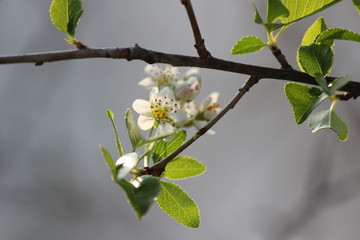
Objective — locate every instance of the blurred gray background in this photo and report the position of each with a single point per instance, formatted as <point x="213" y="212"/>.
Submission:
<point x="267" y="178"/>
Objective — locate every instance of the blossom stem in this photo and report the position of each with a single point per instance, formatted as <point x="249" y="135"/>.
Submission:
<point x="159" y="168"/>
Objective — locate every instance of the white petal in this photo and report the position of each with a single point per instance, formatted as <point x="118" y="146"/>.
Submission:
<point x="145" y="123"/>
<point x="154" y="93"/>
<point x="212" y="98"/>
<point x="164" y="129"/>
<point x="128" y="160"/>
<point x="142" y="107"/>
<point x="192" y="72"/>
<point x="166" y="91"/>
<point x="178" y="116"/>
<point x="147" y="82"/>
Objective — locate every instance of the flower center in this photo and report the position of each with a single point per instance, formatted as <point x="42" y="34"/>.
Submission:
<point x="159" y="113"/>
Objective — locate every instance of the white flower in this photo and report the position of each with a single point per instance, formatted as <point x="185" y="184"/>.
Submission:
<point x="126" y="163"/>
<point x="209" y="106"/>
<point x="161" y="112"/>
<point x="187" y="90"/>
<point x="160" y="74"/>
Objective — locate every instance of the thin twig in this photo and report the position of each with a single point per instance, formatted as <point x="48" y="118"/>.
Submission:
<point x="149" y="56"/>
<point x="280" y="58"/>
<point x="159" y="168"/>
<point x="199" y="41"/>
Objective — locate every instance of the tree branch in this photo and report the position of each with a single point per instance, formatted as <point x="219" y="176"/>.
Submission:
<point x="149" y="56"/>
<point x="159" y="168"/>
<point x="199" y="41"/>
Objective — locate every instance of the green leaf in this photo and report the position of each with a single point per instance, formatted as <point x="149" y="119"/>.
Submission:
<point x="183" y="167"/>
<point x="178" y="205"/>
<point x="331" y="88"/>
<point x="247" y="45"/>
<point x="275" y="10"/>
<point x="323" y="83"/>
<point x="142" y="197"/>
<point x="65" y="15"/>
<point x="162" y="148"/>
<point x="303" y="100"/>
<point x="110" y="114"/>
<point x="357" y="5"/>
<point x="329" y="35"/>
<point x="313" y="31"/>
<point x="257" y="17"/>
<point x="133" y="130"/>
<point x="329" y="119"/>
<point x="303" y="8"/>
<point x="315" y="58"/>
<point x="339" y="83"/>
<point x="109" y="161"/>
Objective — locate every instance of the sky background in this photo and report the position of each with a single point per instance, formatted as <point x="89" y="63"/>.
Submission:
<point x="260" y="164"/>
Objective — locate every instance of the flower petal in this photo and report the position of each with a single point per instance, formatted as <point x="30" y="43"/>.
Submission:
<point x="164" y="129"/>
<point x="166" y="91"/>
<point x="145" y="123"/>
<point x="147" y="83"/>
<point x="142" y="107"/>
<point x="178" y="116"/>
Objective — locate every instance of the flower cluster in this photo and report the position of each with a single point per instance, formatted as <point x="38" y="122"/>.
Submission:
<point x="172" y="102"/>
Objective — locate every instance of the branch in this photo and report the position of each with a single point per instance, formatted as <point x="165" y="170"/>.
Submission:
<point x="159" y="168"/>
<point x="199" y="41"/>
<point x="138" y="53"/>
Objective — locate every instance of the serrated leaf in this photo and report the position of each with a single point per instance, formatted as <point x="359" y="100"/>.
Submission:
<point x="133" y="130"/>
<point x="183" y="167"/>
<point x="302" y="100"/>
<point x="65" y="15"/>
<point x="178" y="204"/>
<point x="329" y="35"/>
<point x="315" y="58"/>
<point x="109" y="161"/>
<point x="162" y="148"/>
<point x="357" y="5"/>
<point x="313" y="31"/>
<point x="269" y="27"/>
<point x="257" y="17"/>
<point x="329" y="119"/>
<point x="142" y="197"/>
<point x="303" y="8"/>
<point x="275" y="10"/>
<point x="247" y="45"/>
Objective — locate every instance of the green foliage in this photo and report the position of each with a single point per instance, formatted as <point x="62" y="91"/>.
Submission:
<point x="141" y="198"/>
<point x="163" y="148"/>
<point x="357" y="5"/>
<point x="334" y="86"/>
<point x="183" y="167"/>
<point x="65" y="15"/>
<point x="329" y="119"/>
<point x="247" y="45"/>
<point x="327" y="36"/>
<point x="300" y="9"/>
<point x="303" y="100"/>
<point x="313" y="31"/>
<point x="178" y="205"/>
<point x="315" y="58"/>
<point x="109" y="161"/>
<point x="133" y="130"/>
<point x="275" y="10"/>
<point x="111" y="116"/>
